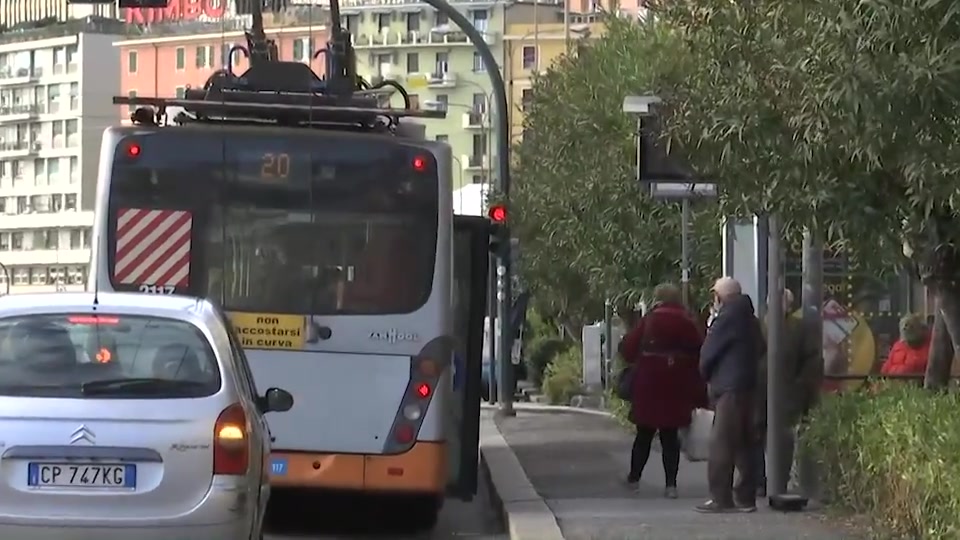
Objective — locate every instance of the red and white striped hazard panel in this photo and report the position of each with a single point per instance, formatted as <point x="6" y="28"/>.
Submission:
<point x="153" y="247"/>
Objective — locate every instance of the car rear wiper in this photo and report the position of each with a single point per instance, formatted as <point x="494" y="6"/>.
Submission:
<point x="145" y="385"/>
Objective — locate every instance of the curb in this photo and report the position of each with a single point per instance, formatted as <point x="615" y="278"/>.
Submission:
<point x="549" y="409"/>
<point x="525" y="513"/>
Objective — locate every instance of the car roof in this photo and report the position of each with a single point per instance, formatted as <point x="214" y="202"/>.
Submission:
<point x="171" y="306"/>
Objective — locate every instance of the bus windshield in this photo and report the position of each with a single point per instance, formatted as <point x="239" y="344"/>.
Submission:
<point x="306" y="223"/>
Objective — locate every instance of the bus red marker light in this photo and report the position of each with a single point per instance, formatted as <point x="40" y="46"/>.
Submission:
<point x="133" y="150"/>
<point x="419" y="164"/>
<point x="423" y="390"/>
<point x="403" y="434"/>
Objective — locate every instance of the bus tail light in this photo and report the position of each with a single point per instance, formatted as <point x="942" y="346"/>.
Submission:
<point x="403" y="434"/>
<point x="231" y="442"/>
<point x="427" y="369"/>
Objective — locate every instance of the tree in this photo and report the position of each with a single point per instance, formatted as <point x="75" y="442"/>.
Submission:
<point x="586" y="228"/>
<point x="836" y="114"/>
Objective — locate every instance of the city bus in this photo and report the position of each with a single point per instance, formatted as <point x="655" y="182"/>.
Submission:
<point x="346" y="276"/>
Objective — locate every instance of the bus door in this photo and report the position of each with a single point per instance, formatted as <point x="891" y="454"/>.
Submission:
<point x="470" y="254"/>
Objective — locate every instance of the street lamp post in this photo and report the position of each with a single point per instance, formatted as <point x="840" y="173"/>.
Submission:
<point x="504" y="273"/>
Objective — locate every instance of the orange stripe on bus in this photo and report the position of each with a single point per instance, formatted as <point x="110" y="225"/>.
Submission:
<point x="422" y="469"/>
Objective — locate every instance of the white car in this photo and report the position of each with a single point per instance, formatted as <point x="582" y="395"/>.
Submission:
<point x="129" y="416"/>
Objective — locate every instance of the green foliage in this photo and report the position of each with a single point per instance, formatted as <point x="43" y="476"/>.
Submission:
<point x="587" y="230"/>
<point x="542" y="352"/>
<point x="562" y="378"/>
<point x="841" y="114"/>
<point x="892" y="455"/>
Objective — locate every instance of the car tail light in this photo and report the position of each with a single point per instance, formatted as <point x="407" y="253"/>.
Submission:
<point x="231" y="442"/>
<point x="403" y="434"/>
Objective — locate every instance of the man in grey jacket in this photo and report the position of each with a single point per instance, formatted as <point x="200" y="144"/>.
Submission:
<point x="729" y="363"/>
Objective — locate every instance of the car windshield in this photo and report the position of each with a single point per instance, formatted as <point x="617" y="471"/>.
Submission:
<point x="104" y="356"/>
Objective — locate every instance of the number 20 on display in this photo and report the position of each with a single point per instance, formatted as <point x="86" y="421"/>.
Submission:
<point x="275" y="166"/>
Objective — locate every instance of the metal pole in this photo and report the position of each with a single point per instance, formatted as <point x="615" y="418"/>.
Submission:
<point x="566" y="25"/>
<point x="812" y="302"/>
<point x="775" y="390"/>
<point x="494" y="382"/>
<point x="503" y="160"/>
<point x="6" y="275"/>
<point x="607" y="342"/>
<point x="685" y="251"/>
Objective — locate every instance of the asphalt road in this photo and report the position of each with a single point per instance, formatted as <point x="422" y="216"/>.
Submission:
<point x="352" y="518"/>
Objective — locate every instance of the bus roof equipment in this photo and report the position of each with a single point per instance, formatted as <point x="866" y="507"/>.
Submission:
<point x="285" y="93"/>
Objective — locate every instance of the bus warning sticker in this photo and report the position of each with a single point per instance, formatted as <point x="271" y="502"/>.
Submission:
<point x="269" y="331"/>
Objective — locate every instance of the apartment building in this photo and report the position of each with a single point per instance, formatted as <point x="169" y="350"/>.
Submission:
<point x="19" y="13"/>
<point x="56" y="82"/>
<point x="180" y="52"/>
<point x="531" y="48"/>
<point x="412" y="43"/>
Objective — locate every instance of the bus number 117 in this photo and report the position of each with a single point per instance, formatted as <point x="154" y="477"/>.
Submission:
<point x="158" y="289"/>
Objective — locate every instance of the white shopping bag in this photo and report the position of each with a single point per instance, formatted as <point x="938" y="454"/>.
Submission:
<point x="696" y="440"/>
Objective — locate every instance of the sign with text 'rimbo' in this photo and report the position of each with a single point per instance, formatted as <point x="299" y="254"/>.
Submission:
<point x="269" y="330"/>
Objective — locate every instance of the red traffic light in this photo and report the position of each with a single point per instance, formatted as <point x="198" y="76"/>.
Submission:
<point x="498" y="213"/>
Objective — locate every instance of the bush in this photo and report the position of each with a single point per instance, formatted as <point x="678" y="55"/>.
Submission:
<point x="893" y="455"/>
<point x="542" y="351"/>
<point x="562" y="378"/>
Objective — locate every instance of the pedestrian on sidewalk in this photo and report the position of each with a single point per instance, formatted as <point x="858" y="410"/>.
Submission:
<point x="909" y="354"/>
<point x="662" y="350"/>
<point x="729" y="362"/>
<point x="801" y="385"/>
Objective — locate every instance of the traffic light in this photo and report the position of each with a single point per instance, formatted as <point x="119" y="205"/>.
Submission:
<point x="499" y="234"/>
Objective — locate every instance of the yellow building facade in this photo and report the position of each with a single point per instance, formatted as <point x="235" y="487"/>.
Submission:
<point x="530" y="48"/>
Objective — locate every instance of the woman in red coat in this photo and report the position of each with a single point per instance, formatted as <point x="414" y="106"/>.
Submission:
<point x="664" y="351"/>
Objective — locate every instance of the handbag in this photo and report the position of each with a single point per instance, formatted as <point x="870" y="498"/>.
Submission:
<point x="696" y="437"/>
<point x="625" y="377"/>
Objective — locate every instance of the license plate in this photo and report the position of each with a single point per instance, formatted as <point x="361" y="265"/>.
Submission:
<point x="278" y="466"/>
<point x="84" y="475"/>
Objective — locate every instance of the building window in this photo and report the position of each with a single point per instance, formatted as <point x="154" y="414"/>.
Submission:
<point x="441" y="64"/>
<point x="302" y="50"/>
<point x="50" y="238"/>
<point x="444" y="101"/>
<point x="53" y="98"/>
<point x="480" y="20"/>
<point x="526" y="98"/>
<point x="181" y="58"/>
<point x="74" y="170"/>
<point x="479" y="103"/>
<point x="21" y="275"/>
<point x="413" y="62"/>
<point x="414" y="101"/>
<point x="181" y="92"/>
<point x="73" y="135"/>
<point x="16" y="240"/>
<point x="76" y="238"/>
<point x="74" y="96"/>
<point x="71" y="202"/>
<point x="529" y="57"/>
<point x="441" y="19"/>
<point x="477" y="179"/>
<point x="413" y="22"/>
<point x="132" y="62"/>
<point x="383" y="21"/>
<point x="38" y="276"/>
<point x="53" y="169"/>
<point x="4" y="243"/>
<point x="443" y="138"/>
<point x="72" y="58"/>
<point x="478" y="63"/>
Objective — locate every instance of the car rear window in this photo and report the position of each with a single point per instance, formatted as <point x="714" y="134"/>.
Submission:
<point x="105" y="356"/>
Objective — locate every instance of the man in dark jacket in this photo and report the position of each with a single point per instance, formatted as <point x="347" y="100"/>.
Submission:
<point x="729" y="363"/>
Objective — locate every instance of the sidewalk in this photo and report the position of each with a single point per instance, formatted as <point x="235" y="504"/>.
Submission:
<point x="575" y="463"/>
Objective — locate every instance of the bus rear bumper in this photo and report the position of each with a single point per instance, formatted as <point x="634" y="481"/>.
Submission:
<point x="422" y="469"/>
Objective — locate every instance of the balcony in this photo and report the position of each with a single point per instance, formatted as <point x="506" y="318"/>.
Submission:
<point x="442" y="79"/>
<point x="392" y="38"/>
<point x="11" y="76"/>
<point x="14" y="149"/>
<point x="476" y="120"/>
<point x="19" y="112"/>
<point x="475" y="163"/>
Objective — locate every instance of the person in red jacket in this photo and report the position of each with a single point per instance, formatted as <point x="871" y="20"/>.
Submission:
<point x="909" y="354"/>
<point x="663" y="351"/>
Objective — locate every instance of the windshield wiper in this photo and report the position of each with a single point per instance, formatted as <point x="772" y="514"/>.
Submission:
<point x="145" y="385"/>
